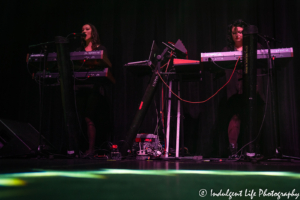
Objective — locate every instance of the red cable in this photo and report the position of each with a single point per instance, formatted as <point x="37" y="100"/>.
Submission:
<point x="209" y="97"/>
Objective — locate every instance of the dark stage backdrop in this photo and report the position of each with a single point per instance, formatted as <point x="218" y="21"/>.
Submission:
<point x="127" y="29"/>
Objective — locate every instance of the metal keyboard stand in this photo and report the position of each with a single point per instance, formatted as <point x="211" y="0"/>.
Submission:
<point x="148" y="96"/>
<point x="179" y="123"/>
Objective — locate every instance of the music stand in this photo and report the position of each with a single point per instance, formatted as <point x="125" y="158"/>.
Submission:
<point x="144" y="67"/>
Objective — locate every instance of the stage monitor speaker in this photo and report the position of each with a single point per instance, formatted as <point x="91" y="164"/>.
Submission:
<point x="18" y="138"/>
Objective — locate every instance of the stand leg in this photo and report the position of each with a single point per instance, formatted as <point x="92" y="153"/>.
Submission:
<point x="143" y="108"/>
<point x="249" y="86"/>
<point x="178" y="123"/>
<point x="168" y="122"/>
<point x="67" y="92"/>
<point x="273" y="84"/>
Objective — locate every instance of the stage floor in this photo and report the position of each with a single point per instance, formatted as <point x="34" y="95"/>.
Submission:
<point x="45" y="178"/>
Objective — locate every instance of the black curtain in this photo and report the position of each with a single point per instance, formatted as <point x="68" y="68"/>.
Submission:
<point x="127" y="29"/>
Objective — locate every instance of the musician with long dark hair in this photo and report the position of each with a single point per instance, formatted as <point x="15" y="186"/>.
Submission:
<point x="91" y="41"/>
<point x="235" y="86"/>
<point x="91" y="102"/>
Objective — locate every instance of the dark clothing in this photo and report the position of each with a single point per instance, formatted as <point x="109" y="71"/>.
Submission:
<point x="235" y="86"/>
<point x="90" y="102"/>
<point x="235" y="100"/>
<point x="100" y="47"/>
<point x="91" y="96"/>
<point x="259" y="46"/>
<point x="90" y="64"/>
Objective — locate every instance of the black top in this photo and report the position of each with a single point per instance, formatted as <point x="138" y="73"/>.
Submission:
<point x="90" y="65"/>
<point x="259" y="46"/>
<point x="100" y="47"/>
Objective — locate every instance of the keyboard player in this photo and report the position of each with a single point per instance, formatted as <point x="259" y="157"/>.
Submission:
<point x="90" y="98"/>
<point x="234" y="105"/>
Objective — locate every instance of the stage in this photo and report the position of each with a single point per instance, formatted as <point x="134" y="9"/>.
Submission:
<point x="47" y="88"/>
<point x="74" y="178"/>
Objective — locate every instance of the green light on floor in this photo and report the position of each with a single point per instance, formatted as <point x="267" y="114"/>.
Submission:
<point x="11" y="179"/>
<point x="73" y="174"/>
<point x="203" y="172"/>
<point x="11" y="182"/>
<point x="14" y="179"/>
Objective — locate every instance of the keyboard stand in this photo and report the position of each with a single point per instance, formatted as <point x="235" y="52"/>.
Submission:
<point x="179" y="127"/>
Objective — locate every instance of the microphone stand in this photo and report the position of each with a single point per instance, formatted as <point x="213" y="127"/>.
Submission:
<point x="41" y="44"/>
<point x="66" y="90"/>
<point x="44" y="49"/>
<point x="41" y="88"/>
<point x="274" y="102"/>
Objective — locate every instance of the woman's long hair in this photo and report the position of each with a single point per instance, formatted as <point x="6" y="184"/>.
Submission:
<point x="94" y="37"/>
<point x="236" y="23"/>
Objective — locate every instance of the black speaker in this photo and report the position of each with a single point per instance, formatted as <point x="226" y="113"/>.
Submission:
<point x="18" y="138"/>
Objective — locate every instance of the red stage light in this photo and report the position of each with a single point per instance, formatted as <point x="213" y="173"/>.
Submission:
<point x="141" y="105"/>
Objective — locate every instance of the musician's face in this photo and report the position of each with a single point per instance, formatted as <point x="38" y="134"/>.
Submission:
<point x="87" y="30"/>
<point x="237" y="34"/>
